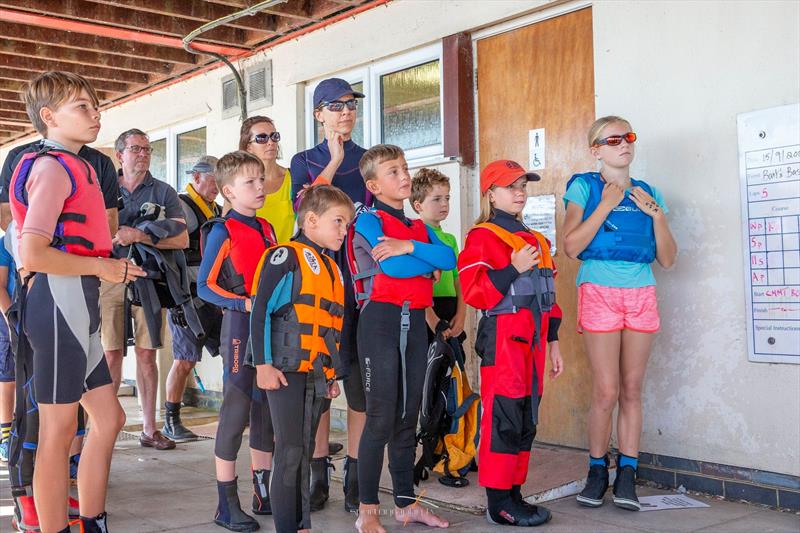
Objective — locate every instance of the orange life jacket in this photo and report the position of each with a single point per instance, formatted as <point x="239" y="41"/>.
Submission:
<point x="306" y="338"/>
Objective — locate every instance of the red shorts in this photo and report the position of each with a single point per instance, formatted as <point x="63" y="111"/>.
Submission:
<point x="605" y="309"/>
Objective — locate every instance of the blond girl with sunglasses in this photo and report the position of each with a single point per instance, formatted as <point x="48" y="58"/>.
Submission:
<point x="617" y="226"/>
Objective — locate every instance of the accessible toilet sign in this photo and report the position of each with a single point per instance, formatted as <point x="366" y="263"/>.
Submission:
<point x="769" y="172"/>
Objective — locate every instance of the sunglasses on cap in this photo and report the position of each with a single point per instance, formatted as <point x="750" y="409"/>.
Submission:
<point x="616" y="140"/>
<point x="264" y="138"/>
<point x="338" y="105"/>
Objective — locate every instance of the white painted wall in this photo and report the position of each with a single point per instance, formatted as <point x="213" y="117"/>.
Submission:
<point x="680" y="71"/>
<point x="690" y="69"/>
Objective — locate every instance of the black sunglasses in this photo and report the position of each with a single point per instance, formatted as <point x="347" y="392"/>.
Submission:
<point x="338" y="105"/>
<point x="264" y="138"/>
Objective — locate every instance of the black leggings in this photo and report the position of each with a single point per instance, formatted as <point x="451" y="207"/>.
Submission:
<point x="379" y="351"/>
<point x="241" y="399"/>
<point x="296" y="413"/>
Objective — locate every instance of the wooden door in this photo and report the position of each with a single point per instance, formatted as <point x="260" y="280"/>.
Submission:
<point x="542" y="76"/>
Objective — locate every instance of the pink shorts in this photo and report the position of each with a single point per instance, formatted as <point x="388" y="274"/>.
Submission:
<point x="606" y="309"/>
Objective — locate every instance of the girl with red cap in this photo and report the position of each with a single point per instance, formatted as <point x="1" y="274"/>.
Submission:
<point x="507" y="272"/>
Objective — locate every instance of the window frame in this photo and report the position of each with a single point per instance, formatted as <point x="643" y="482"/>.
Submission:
<point x="370" y="76"/>
<point x="171" y="135"/>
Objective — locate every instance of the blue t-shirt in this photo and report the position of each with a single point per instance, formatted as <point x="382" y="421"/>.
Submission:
<point x="7" y="261"/>
<point x="307" y="165"/>
<point x="611" y="273"/>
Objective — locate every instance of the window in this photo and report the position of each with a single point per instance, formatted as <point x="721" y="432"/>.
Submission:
<point x="158" y="159"/>
<point x="191" y="145"/>
<point x="176" y="150"/>
<point x="403" y="103"/>
<point x="411" y="107"/>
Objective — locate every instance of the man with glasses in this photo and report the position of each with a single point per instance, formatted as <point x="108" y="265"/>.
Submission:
<point x="335" y="161"/>
<point x="137" y="187"/>
<point x="199" y="205"/>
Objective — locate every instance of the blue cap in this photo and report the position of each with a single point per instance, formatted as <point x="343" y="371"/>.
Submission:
<point x="333" y="89"/>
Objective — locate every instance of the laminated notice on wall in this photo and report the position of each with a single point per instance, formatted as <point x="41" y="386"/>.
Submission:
<point x="769" y="173"/>
<point x="539" y="213"/>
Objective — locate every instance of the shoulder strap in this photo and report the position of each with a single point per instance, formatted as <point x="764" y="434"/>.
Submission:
<point x="514" y="241"/>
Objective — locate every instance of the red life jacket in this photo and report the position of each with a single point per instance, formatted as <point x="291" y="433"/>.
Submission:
<point x="82" y="227"/>
<point x="418" y="291"/>
<point x="247" y="245"/>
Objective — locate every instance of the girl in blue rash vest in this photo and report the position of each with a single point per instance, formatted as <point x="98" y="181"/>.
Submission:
<point x="335" y="161"/>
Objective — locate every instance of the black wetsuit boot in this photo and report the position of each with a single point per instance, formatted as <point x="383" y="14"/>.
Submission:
<point x="320" y="482"/>
<point x="229" y="513"/>
<point x="261" y="503"/>
<point x="350" y="484"/>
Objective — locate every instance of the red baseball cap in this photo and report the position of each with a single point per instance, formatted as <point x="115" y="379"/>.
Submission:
<point x="503" y="173"/>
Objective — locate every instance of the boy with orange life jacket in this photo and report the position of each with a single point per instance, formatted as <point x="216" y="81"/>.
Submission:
<point x="507" y="272"/>
<point x="393" y="260"/>
<point x="65" y="244"/>
<point x="296" y="327"/>
<point x="232" y="248"/>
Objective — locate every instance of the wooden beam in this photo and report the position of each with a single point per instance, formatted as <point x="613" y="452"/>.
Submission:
<point x="83" y="57"/>
<point x="33" y="64"/>
<point x="16" y="116"/>
<point x="458" y="107"/>
<point x="12" y="106"/>
<point x="14" y="125"/>
<point x="95" y="43"/>
<point x="196" y="10"/>
<point x="83" y="10"/>
<point x="19" y="78"/>
<point x="10" y="96"/>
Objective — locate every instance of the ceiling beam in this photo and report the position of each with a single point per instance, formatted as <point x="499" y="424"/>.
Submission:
<point x="10" y="96"/>
<point x="35" y="64"/>
<point x="22" y="77"/>
<point x="16" y="116"/>
<point x="12" y="106"/>
<point x="198" y="11"/>
<point x="21" y="125"/>
<point x="95" y="43"/>
<point x="108" y="21"/>
<point x="83" y="57"/>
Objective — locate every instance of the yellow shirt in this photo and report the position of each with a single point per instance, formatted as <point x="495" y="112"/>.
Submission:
<point x="278" y="210"/>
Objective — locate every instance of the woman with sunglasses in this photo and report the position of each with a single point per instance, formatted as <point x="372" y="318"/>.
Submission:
<point x="259" y="137"/>
<point x="335" y="161"/>
<point x="617" y="226"/>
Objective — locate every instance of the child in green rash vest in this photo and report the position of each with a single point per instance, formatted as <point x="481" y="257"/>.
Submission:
<point x="430" y="197"/>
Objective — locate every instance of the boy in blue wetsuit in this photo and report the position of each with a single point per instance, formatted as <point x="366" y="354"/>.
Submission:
<point x="232" y="249"/>
<point x="296" y="327"/>
<point x="396" y="260"/>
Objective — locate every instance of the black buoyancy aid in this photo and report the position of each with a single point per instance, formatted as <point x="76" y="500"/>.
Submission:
<point x="306" y="338"/>
<point x="534" y="288"/>
<point x="192" y="253"/>
<point x="82" y="227"/>
<point x="247" y="246"/>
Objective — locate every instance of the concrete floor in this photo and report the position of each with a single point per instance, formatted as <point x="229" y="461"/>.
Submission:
<point x="175" y="491"/>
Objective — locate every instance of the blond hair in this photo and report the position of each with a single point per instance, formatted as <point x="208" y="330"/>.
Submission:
<point x="51" y="90"/>
<point x="599" y="125"/>
<point x="423" y="183"/>
<point x="319" y="199"/>
<point x="376" y="155"/>
<point x="230" y="166"/>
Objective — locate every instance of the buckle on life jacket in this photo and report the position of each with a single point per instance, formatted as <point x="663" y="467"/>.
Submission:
<point x="405" y="326"/>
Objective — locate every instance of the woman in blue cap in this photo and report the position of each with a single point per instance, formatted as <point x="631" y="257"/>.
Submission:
<point x="335" y="161"/>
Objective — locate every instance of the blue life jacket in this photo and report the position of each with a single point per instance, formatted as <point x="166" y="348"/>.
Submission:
<point x="626" y="234"/>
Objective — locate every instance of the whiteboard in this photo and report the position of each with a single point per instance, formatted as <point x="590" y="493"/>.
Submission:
<point x="769" y="174"/>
